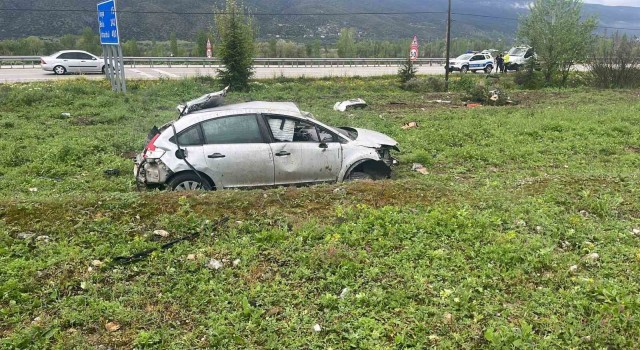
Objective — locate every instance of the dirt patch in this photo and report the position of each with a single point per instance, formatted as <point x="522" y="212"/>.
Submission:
<point x="632" y="149"/>
<point x="83" y="121"/>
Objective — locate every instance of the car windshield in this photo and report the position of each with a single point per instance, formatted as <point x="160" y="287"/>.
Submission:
<point x="464" y="57"/>
<point x="351" y="135"/>
<point x="517" y="51"/>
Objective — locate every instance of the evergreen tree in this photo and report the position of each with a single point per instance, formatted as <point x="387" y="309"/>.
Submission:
<point x="236" y="48"/>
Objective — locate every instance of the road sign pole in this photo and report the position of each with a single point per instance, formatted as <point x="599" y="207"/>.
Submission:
<point x="108" y="66"/>
<point x="110" y="40"/>
<point x="121" y="65"/>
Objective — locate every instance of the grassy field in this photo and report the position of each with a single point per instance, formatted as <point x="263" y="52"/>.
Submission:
<point x="493" y="248"/>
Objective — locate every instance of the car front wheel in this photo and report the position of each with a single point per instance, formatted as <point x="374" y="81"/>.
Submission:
<point x="188" y="182"/>
<point x="59" y="70"/>
<point x="464" y="69"/>
<point x="359" y="176"/>
<point x="488" y="69"/>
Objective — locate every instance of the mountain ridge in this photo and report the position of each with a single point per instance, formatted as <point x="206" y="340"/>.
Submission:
<point x="492" y="18"/>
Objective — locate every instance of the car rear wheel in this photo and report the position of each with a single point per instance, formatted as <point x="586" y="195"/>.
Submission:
<point x="59" y="70"/>
<point x="488" y="69"/>
<point x="103" y="69"/>
<point x="188" y="182"/>
<point x="464" y="69"/>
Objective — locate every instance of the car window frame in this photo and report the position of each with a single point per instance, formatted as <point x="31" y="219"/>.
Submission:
<point x="255" y="115"/>
<point x="89" y="57"/>
<point x="197" y="126"/>
<point x="69" y="54"/>
<point x="272" y="139"/>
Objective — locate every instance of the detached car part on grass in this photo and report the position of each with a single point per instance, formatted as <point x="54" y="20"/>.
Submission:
<point x="258" y="144"/>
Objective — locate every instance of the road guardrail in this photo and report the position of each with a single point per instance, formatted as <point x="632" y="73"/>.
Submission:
<point x="34" y="61"/>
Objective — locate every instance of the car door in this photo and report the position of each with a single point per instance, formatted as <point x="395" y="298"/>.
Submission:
<point x="476" y="62"/>
<point x="87" y="63"/>
<point x="303" y="151"/>
<point x="237" y="151"/>
<point x="68" y="60"/>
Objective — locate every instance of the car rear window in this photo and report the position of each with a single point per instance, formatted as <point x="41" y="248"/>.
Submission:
<point x="235" y="129"/>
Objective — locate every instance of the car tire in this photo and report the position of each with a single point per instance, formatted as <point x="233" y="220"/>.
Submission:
<point x="516" y="67"/>
<point x="59" y="70"/>
<point x="104" y="70"/>
<point x="464" y="69"/>
<point x="359" y="176"/>
<point x="488" y="69"/>
<point x="188" y="182"/>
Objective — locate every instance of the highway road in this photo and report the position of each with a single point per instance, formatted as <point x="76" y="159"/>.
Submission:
<point x="13" y="75"/>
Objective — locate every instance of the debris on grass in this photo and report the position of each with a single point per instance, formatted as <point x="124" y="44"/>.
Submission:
<point x="420" y="168"/>
<point x="161" y="233"/>
<point x="635" y="231"/>
<point x="573" y="268"/>
<point x="112" y="326"/>
<point x="341" y="191"/>
<point x="440" y="101"/>
<point x="214" y="264"/>
<point x="472" y="105"/>
<point x="65" y="114"/>
<point x="97" y="263"/>
<point x="36" y="321"/>
<point x="317" y="328"/>
<point x="236" y="262"/>
<point x="584" y="213"/>
<point x="593" y="257"/>
<point x="191" y="257"/>
<point x="344" y="293"/>
<point x="33" y="189"/>
<point x="410" y="125"/>
<point x="112" y="172"/>
<point x="349" y="104"/>
<point x="448" y="318"/>
<point x="43" y="239"/>
<point x="25" y="235"/>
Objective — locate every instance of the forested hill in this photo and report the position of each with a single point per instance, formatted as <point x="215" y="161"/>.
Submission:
<point x="144" y="20"/>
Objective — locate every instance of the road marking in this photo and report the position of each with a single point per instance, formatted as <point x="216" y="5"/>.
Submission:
<point x="165" y="73"/>
<point x="147" y="75"/>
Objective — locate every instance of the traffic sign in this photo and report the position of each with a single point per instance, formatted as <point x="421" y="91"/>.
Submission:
<point x="108" y="23"/>
<point x="413" y="54"/>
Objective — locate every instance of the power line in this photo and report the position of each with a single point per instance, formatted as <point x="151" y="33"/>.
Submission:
<point x="280" y="14"/>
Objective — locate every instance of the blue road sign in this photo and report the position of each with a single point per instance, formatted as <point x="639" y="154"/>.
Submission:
<point x="108" y="23"/>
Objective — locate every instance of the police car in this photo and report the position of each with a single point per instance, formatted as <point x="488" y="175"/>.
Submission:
<point x="472" y="62"/>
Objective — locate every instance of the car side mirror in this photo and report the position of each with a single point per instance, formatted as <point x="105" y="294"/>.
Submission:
<point x="181" y="154"/>
<point x="93" y="58"/>
<point x="323" y="145"/>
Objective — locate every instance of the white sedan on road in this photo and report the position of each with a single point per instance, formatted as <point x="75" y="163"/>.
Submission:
<point x="72" y="61"/>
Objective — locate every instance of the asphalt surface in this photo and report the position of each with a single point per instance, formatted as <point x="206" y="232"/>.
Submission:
<point x="13" y="75"/>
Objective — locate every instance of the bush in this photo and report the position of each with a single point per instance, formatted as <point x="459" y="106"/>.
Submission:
<point x="529" y="79"/>
<point x="407" y="72"/>
<point x="430" y="84"/>
<point x="464" y="84"/>
<point x="617" y="66"/>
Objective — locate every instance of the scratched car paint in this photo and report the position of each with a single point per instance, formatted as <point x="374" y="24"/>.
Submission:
<point x="258" y="144"/>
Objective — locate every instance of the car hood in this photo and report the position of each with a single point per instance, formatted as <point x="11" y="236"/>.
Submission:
<point x="370" y="138"/>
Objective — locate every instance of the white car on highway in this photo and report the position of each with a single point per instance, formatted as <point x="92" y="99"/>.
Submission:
<point x="72" y="61"/>
<point x="472" y="62"/>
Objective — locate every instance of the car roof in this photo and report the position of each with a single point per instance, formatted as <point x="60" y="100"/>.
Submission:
<point x="262" y="106"/>
<point x="65" y="51"/>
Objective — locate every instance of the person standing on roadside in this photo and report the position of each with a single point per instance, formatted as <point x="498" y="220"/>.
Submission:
<point x="504" y="62"/>
<point x="499" y="63"/>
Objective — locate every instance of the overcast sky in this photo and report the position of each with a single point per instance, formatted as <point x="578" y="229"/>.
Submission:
<point x="635" y="3"/>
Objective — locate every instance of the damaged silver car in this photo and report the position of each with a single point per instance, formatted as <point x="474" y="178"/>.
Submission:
<point x="258" y="144"/>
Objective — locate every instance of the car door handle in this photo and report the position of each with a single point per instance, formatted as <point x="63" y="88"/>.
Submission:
<point x="216" y="155"/>
<point x="282" y="154"/>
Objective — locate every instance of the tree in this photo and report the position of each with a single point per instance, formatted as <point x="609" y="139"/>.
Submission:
<point x="407" y="71"/>
<point x="236" y="48"/>
<point x="130" y="48"/>
<point x="200" y="49"/>
<point x="347" y="43"/>
<point x="89" y="41"/>
<point x="173" y="43"/>
<point x="557" y="33"/>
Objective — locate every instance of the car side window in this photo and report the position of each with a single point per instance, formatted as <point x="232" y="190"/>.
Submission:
<point x="326" y="136"/>
<point x="189" y="137"/>
<point x="286" y="129"/>
<point x="477" y="58"/>
<point x="231" y="130"/>
<point x="528" y="54"/>
<point x="66" y="56"/>
<point x="83" y="56"/>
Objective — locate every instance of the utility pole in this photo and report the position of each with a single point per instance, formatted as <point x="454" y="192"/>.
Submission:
<point x="446" y="72"/>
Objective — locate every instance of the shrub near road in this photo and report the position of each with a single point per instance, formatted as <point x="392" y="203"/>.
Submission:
<point x="523" y="234"/>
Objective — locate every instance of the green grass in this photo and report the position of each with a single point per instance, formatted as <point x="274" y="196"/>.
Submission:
<point x="475" y="254"/>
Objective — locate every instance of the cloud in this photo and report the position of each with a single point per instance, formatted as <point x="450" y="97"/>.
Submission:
<point x="634" y="3"/>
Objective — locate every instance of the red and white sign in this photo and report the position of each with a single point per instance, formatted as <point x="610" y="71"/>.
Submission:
<point x="209" y="49"/>
<point x="413" y="54"/>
